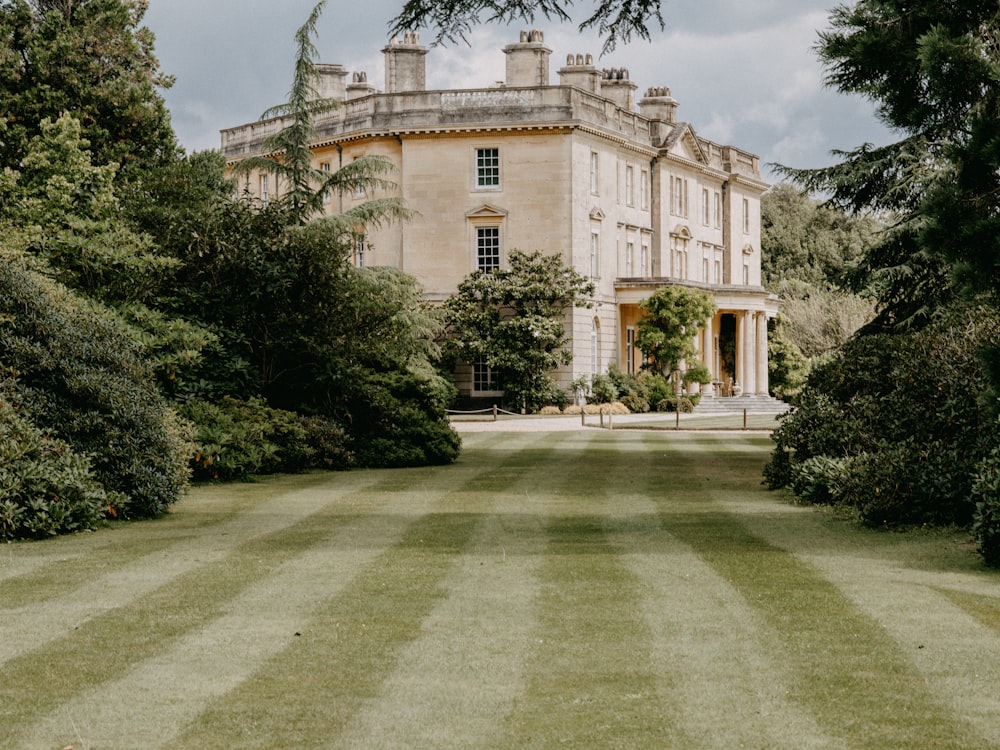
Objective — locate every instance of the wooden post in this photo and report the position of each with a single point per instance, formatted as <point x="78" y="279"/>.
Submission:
<point x="494" y="412"/>
<point x="610" y="412"/>
<point x="744" y="419"/>
<point x="583" y="417"/>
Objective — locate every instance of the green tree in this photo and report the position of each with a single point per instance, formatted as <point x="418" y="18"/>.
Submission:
<point x="804" y="240"/>
<point x="91" y="58"/>
<point x="617" y="20"/>
<point x="933" y="71"/>
<point x="666" y="330"/>
<point x="512" y="320"/>
<point x="291" y="144"/>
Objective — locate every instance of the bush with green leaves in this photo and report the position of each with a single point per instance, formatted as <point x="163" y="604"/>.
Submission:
<point x="81" y="378"/>
<point x="903" y="413"/>
<point x="986" y="518"/>
<point x="602" y="389"/>
<point x="236" y="439"/>
<point x="45" y="487"/>
<point x="817" y="479"/>
<point x="399" y="420"/>
<point x="673" y="404"/>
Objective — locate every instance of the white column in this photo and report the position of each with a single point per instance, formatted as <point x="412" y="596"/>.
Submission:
<point x="748" y="339"/>
<point x="708" y="357"/>
<point x="762" y="385"/>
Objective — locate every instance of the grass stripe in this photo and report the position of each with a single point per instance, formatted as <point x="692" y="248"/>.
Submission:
<point x="146" y="562"/>
<point x="706" y="641"/>
<point x="314" y="689"/>
<point x="850" y="674"/>
<point x="192" y="589"/>
<point x="590" y="683"/>
<point x="468" y="659"/>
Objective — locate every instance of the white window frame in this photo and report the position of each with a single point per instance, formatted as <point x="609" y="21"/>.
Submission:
<point x="487" y="168"/>
<point x="717" y="210"/>
<point x="595" y="254"/>
<point x="679" y="196"/>
<point x="324" y="167"/>
<point x="495" y="248"/>
<point x="644" y="190"/>
<point x="595" y="173"/>
<point x="746" y="216"/>
<point x="629" y="185"/>
<point x="263" y="189"/>
<point x="629" y="258"/>
<point x="484" y="375"/>
<point x="704" y="206"/>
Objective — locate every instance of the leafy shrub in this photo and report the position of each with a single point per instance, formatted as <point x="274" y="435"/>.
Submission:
<point x="550" y="410"/>
<point x="602" y="389"/>
<point x="657" y="388"/>
<point x="986" y="518"/>
<point x="327" y="443"/>
<point x="673" y="404"/>
<point x="633" y="391"/>
<point x="817" y="480"/>
<point x="80" y="377"/>
<point x="902" y="411"/>
<point x="236" y="439"/>
<point x="398" y="419"/>
<point x="45" y="487"/>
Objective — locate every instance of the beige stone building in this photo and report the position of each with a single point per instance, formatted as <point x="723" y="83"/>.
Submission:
<point x="623" y="190"/>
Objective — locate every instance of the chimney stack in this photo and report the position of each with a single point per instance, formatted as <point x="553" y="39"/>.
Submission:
<point x="528" y="61"/>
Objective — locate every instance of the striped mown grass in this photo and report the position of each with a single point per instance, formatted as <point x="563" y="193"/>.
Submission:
<point x="586" y="589"/>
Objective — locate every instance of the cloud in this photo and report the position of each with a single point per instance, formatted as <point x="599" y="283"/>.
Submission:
<point x="744" y="73"/>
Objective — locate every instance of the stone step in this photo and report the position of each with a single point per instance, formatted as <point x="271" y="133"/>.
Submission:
<point x="753" y="404"/>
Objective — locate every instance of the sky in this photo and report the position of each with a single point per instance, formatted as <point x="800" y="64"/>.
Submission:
<point x="744" y="73"/>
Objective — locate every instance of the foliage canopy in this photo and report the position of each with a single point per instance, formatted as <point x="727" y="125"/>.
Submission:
<point x="512" y="320"/>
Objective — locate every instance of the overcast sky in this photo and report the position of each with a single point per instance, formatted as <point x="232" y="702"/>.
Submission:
<point x="744" y="73"/>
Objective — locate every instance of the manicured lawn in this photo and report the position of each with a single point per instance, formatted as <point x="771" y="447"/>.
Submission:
<point x="584" y="589"/>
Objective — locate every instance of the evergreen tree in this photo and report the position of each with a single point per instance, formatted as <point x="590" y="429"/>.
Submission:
<point x="91" y="58"/>
<point x="616" y="20"/>
<point x="933" y="71"/>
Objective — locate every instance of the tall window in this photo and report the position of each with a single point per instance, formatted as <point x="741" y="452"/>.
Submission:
<point x="679" y="196"/>
<point x="595" y="175"/>
<point x="644" y="260"/>
<point x="644" y="190"/>
<point x="487" y="248"/>
<point x="630" y="350"/>
<point x="629" y="186"/>
<point x="263" y="189"/>
<point x="593" y="347"/>
<point x="325" y="168"/>
<point x="746" y="216"/>
<point x="484" y="378"/>
<point x="487" y="167"/>
<point x="359" y="251"/>
<point x="717" y="210"/>
<point x="595" y="254"/>
<point x="629" y="253"/>
<point x="704" y="206"/>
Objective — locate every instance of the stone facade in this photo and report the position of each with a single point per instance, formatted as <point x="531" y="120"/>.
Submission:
<point x="625" y="192"/>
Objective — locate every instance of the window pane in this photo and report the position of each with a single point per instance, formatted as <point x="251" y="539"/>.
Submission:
<point x="484" y="378"/>
<point x="487" y="248"/>
<point x="488" y="167"/>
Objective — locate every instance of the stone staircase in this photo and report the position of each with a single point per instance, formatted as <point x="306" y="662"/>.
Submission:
<point x="753" y="405"/>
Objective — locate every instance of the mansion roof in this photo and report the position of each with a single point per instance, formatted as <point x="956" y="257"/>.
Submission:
<point x="586" y="99"/>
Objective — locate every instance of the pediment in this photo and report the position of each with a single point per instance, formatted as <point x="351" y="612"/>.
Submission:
<point x="682" y="231"/>
<point x="748" y="249"/>
<point x="684" y="143"/>
<point x="486" y="211"/>
<point x="596" y="214"/>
